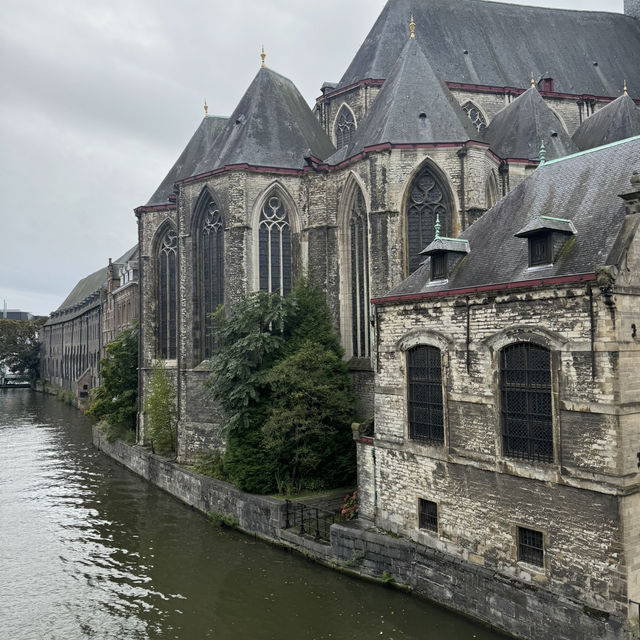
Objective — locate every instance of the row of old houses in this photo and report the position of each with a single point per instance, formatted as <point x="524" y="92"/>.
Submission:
<point x="467" y="195"/>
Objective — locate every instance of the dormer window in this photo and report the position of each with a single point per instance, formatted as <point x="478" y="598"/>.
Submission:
<point x="546" y="237"/>
<point x="445" y="254"/>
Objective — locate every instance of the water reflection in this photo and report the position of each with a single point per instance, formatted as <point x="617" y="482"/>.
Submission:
<point x="91" y="551"/>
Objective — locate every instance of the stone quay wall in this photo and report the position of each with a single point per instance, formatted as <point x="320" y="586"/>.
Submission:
<point x="525" y="611"/>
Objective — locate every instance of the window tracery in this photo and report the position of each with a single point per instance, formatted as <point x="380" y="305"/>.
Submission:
<point x="428" y="198"/>
<point x="475" y="115"/>
<point x="274" y="247"/>
<point x="345" y="127"/>
<point x="167" y="295"/>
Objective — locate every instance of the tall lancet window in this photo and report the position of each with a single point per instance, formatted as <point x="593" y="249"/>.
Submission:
<point x="275" y="247"/>
<point x="168" y="296"/>
<point x="359" y="249"/>
<point x="345" y="127"/>
<point x="428" y="198"/>
<point x="212" y="271"/>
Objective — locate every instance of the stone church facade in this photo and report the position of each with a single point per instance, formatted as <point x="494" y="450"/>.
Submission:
<point x="421" y="126"/>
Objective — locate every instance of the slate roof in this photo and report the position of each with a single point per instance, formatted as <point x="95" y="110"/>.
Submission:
<point x="413" y="106"/>
<point x="272" y="126"/>
<point x="618" y="120"/>
<point x="517" y="129"/>
<point x="582" y="188"/>
<point x="199" y="145"/>
<point x="505" y="43"/>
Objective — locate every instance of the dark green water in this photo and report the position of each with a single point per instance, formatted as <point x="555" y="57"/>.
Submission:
<point x="88" y="550"/>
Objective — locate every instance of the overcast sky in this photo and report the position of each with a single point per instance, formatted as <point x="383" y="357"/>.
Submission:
<point x="99" y="98"/>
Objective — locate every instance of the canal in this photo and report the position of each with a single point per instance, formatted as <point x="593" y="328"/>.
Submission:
<point x="89" y="550"/>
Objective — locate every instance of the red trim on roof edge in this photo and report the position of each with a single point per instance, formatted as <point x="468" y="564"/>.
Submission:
<point x="521" y="284"/>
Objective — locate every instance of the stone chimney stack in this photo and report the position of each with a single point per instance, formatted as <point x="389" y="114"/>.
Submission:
<point x="632" y="197"/>
<point x="632" y="8"/>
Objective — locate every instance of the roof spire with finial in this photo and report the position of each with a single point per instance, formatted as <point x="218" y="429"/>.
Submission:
<point x="437" y="227"/>
<point x="412" y="28"/>
<point x="263" y="55"/>
<point x="543" y="153"/>
<point x="206" y="109"/>
<point x="533" y="82"/>
<point x="624" y="88"/>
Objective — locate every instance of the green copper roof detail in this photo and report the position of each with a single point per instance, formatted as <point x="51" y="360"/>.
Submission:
<point x="584" y="153"/>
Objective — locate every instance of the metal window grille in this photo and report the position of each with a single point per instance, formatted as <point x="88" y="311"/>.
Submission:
<point x="275" y="248"/>
<point x="427" y="515"/>
<point x="530" y="546"/>
<point x="212" y="271"/>
<point x="345" y="127"/>
<point x="424" y="378"/>
<point x="475" y="115"/>
<point x="359" y="277"/>
<point x="540" y="249"/>
<point x="525" y="381"/>
<point x="438" y="266"/>
<point x="168" y="298"/>
<point x="428" y="198"/>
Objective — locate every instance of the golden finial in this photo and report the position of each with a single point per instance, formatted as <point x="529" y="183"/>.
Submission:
<point x="624" y="89"/>
<point x="206" y="108"/>
<point x="412" y="28"/>
<point x="263" y="55"/>
<point x="533" y="82"/>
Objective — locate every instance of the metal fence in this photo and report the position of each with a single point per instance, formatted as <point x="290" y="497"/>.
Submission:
<point x="309" y="520"/>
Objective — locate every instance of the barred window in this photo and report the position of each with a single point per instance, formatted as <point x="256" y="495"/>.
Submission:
<point x="358" y="235"/>
<point x="167" y="296"/>
<point x="275" y="247"/>
<point x="539" y="249"/>
<point x="424" y="379"/>
<point x="211" y="252"/>
<point x="438" y="266"/>
<point x="530" y="546"/>
<point x="427" y="515"/>
<point x="428" y="198"/>
<point x="525" y="383"/>
<point x="345" y="127"/>
<point x="475" y="115"/>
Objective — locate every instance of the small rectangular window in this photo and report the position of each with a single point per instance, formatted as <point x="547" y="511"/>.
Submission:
<point x="530" y="546"/>
<point x="540" y="249"/>
<point x="428" y="515"/>
<point x="438" y="266"/>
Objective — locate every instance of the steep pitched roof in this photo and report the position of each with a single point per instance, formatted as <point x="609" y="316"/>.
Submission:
<point x="199" y="145"/>
<point x="517" y="130"/>
<point x="582" y="188"/>
<point x="504" y="43"/>
<point x="272" y="126"/>
<point x="618" y="120"/>
<point x="414" y="105"/>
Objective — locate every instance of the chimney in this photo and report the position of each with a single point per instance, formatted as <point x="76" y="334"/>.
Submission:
<point x="632" y="197"/>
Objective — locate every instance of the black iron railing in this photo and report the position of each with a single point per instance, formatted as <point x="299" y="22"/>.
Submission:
<point x="309" y="520"/>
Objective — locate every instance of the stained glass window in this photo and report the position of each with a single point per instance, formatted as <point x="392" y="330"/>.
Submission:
<point x="212" y="271"/>
<point x="358" y="236"/>
<point x="475" y="115"/>
<point x="275" y="247"/>
<point x="525" y="384"/>
<point x="424" y="379"/>
<point x="345" y="127"/>
<point x="428" y="198"/>
<point x="168" y="295"/>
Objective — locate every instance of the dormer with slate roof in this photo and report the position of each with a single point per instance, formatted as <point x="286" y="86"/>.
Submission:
<point x="616" y="121"/>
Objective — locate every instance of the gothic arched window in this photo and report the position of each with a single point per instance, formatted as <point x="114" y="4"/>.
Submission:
<point x="424" y="394"/>
<point x="428" y="199"/>
<point x="345" y="127"/>
<point x="168" y="295"/>
<point x="525" y="387"/>
<point x="475" y="115"/>
<point x="359" y="251"/>
<point x="274" y="247"/>
<point x="211" y="254"/>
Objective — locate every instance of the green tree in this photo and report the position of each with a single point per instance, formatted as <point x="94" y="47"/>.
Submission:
<point x="20" y="346"/>
<point x="160" y="411"/>
<point x="285" y="392"/>
<point x="115" y="401"/>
